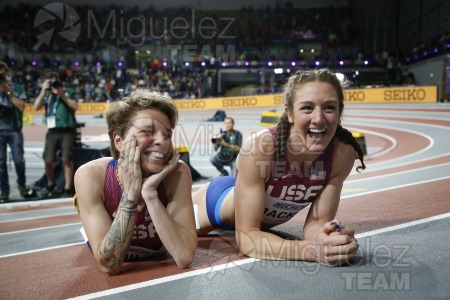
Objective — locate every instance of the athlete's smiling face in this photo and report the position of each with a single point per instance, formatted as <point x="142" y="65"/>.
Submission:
<point x="153" y="137"/>
<point x="315" y="116"/>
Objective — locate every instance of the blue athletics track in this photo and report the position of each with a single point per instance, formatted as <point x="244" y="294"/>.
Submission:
<point x="399" y="207"/>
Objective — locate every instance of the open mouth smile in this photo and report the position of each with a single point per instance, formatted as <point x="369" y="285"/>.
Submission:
<point x="316" y="133"/>
<point x="154" y="155"/>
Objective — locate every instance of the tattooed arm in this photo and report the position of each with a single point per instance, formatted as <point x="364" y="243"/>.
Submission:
<point x="113" y="248"/>
<point x="109" y="240"/>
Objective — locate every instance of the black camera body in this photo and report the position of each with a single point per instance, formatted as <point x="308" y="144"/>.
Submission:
<point x="54" y="84"/>
<point x="2" y="78"/>
<point x="218" y="137"/>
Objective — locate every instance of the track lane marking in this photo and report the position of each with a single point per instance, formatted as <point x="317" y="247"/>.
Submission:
<point x="239" y="263"/>
<point x="39" y="228"/>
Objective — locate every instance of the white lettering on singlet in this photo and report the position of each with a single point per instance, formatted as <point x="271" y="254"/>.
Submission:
<point x="280" y="208"/>
<point x="296" y="192"/>
<point x="142" y="232"/>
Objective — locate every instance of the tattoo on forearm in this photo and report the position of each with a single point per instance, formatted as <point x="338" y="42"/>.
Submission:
<point x="114" y="246"/>
<point x="127" y="203"/>
<point x="109" y="262"/>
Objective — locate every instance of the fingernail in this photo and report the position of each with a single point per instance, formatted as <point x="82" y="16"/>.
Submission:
<point x="337" y="227"/>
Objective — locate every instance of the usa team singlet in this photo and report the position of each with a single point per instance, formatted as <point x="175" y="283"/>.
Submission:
<point x="297" y="188"/>
<point x="145" y="241"/>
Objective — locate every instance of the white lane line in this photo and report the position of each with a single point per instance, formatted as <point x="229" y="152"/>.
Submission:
<point x="233" y="264"/>
<point x="395" y="187"/>
<point x="415" y="132"/>
<point x="196" y="186"/>
<point x="381" y="135"/>
<point x="40" y="228"/>
<point x="383" y="114"/>
<point x="350" y="123"/>
<point x="167" y="279"/>
<point x="357" y="121"/>
<point x="43" y="249"/>
<point x="343" y="197"/>
<point x="35" y="203"/>
<point x="383" y="177"/>
<point x="402" y="226"/>
<point x="39" y="217"/>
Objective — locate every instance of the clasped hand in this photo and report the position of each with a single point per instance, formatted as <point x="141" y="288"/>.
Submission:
<point x="335" y="244"/>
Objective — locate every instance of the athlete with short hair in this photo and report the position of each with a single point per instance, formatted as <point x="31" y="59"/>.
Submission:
<point x="137" y="204"/>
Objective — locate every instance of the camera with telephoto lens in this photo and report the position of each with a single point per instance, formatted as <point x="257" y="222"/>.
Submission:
<point x="54" y="84"/>
<point x="218" y="137"/>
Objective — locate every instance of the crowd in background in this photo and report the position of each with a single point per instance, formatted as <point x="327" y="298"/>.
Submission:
<point x="100" y="83"/>
<point x="92" y="81"/>
<point x="265" y="28"/>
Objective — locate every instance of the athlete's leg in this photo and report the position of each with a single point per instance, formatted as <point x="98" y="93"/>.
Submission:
<point x="215" y="205"/>
<point x="199" y="200"/>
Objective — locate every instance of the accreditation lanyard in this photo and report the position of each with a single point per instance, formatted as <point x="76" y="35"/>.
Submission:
<point x="49" y="104"/>
<point x="51" y="118"/>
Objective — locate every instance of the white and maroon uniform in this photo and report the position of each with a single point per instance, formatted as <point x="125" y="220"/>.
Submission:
<point x="145" y="241"/>
<point x="297" y="188"/>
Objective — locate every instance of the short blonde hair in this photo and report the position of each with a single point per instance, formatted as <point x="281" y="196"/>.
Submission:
<point x="120" y="113"/>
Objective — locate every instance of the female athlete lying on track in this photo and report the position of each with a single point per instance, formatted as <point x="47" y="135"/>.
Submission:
<point x="301" y="162"/>
<point x="138" y="203"/>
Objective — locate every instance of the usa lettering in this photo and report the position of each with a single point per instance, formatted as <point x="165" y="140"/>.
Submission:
<point x="142" y="232"/>
<point x="296" y="192"/>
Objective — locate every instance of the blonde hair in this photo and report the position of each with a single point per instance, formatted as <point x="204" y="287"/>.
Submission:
<point x="120" y="113"/>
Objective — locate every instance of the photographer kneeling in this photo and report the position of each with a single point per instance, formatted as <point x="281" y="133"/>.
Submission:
<point x="229" y="142"/>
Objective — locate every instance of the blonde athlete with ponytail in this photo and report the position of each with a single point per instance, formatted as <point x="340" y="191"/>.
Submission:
<point x="301" y="162"/>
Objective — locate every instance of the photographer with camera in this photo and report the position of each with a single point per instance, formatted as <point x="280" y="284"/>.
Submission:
<point x="229" y="142"/>
<point x="61" y="134"/>
<point x="11" y="109"/>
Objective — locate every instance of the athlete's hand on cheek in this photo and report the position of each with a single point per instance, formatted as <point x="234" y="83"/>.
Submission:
<point x="130" y="168"/>
<point x="151" y="183"/>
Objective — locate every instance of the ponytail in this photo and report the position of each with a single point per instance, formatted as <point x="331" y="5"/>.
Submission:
<point x="347" y="137"/>
<point x="283" y="128"/>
